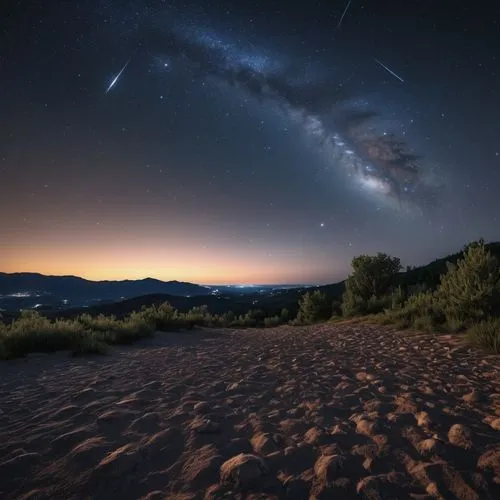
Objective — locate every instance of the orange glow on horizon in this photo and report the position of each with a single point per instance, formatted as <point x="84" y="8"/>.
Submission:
<point x="216" y="266"/>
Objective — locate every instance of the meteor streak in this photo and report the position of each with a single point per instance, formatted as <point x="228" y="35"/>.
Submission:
<point x="344" y="13"/>
<point x="389" y="70"/>
<point x="115" y="79"/>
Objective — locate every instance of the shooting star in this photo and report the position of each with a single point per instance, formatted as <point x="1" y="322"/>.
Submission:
<point x="389" y="70"/>
<point x="344" y="13"/>
<point x="115" y="79"/>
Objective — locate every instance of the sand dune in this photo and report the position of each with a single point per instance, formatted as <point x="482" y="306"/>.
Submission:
<point x="330" y="411"/>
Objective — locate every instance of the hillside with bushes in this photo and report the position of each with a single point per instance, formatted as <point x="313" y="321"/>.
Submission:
<point x="458" y="295"/>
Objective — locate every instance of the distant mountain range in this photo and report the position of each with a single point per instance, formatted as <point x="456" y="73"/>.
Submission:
<point x="28" y="289"/>
<point x="73" y="294"/>
<point x="34" y="290"/>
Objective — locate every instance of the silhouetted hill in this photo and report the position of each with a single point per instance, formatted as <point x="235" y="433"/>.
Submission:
<point x="187" y="295"/>
<point x="430" y="273"/>
<point x="38" y="288"/>
<point x="271" y="302"/>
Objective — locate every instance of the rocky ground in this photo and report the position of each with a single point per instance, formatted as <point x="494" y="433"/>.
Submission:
<point x="329" y="411"/>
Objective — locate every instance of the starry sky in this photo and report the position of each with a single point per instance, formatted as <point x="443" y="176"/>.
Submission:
<point x="245" y="142"/>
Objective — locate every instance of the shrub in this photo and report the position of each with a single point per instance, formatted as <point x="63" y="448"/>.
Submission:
<point x="421" y="311"/>
<point x="281" y="319"/>
<point x="454" y="324"/>
<point x="425" y="322"/>
<point x="470" y="289"/>
<point x="486" y="334"/>
<point x="34" y="333"/>
<point x="86" y="334"/>
<point x="367" y="287"/>
<point x="272" y="321"/>
<point x="313" y="307"/>
<point x="352" y="304"/>
<point x="89" y="344"/>
<point x="372" y="276"/>
<point x="284" y="316"/>
<point x="228" y="318"/>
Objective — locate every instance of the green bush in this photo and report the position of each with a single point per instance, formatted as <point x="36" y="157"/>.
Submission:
<point x="313" y="307"/>
<point x="90" y="344"/>
<point x="254" y="317"/>
<point x="272" y="321"/>
<point x="486" y="334"/>
<point x="284" y="316"/>
<point x="372" y="276"/>
<point x="424" y="322"/>
<point x="422" y="311"/>
<point x="228" y="318"/>
<point x="470" y="290"/>
<point x="32" y="332"/>
<point x="281" y="319"/>
<point x="454" y="324"/>
<point x="352" y="304"/>
<point x="367" y="289"/>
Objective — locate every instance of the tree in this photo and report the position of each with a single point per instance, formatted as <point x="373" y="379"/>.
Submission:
<point x="471" y="287"/>
<point x="284" y="315"/>
<point x="313" y="306"/>
<point x="372" y="276"/>
<point x="352" y="304"/>
<point x="254" y="317"/>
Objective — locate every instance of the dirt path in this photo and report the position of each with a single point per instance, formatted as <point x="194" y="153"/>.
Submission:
<point x="330" y="411"/>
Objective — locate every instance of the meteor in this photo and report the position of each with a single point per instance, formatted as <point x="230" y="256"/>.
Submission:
<point x="389" y="70"/>
<point x="115" y="79"/>
<point x="344" y="13"/>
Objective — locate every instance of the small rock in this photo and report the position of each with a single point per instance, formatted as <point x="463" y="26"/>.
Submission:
<point x="448" y="482"/>
<point x="119" y="462"/>
<point x="490" y="460"/>
<point x="367" y="427"/>
<point x="472" y="397"/>
<point x="205" y="426"/>
<point x="495" y="424"/>
<point x="264" y="443"/>
<point x="460" y="435"/>
<point x="392" y="485"/>
<point x="423" y="419"/>
<point x="361" y="376"/>
<point x="243" y="470"/>
<point x="368" y="464"/>
<point x="314" y="435"/>
<point x="201" y="407"/>
<point x="430" y="446"/>
<point x="356" y="417"/>
<point x="433" y="490"/>
<point x="327" y="467"/>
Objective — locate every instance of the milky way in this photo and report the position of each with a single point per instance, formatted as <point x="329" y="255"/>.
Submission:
<point x="380" y="164"/>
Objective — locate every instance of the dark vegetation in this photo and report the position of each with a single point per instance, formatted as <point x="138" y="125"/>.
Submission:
<point x="465" y="299"/>
<point x="457" y="294"/>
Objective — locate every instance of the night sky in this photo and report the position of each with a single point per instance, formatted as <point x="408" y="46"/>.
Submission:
<point x="245" y="142"/>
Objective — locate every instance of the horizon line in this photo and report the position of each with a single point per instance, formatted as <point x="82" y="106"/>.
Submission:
<point x="209" y="284"/>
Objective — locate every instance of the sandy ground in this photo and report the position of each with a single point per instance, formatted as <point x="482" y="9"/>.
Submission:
<point x="329" y="411"/>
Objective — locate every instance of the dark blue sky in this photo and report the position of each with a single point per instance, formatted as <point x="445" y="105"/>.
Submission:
<point x="252" y="143"/>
